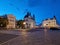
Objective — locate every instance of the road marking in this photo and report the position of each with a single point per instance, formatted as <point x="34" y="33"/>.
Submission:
<point x="9" y="40"/>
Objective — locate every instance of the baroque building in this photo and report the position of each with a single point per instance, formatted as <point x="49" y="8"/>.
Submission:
<point x="50" y="22"/>
<point x="29" y="20"/>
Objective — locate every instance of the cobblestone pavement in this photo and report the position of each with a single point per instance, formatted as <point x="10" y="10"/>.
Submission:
<point x="6" y="37"/>
<point x="36" y="38"/>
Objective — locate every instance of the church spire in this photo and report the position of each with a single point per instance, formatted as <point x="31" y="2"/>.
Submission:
<point x="54" y="17"/>
<point x="33" y="16"/>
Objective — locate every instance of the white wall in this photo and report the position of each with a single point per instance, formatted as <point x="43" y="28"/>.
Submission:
<point x="30" y="22"/>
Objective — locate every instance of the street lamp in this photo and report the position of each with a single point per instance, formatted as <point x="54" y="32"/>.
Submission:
<point x="24" y="24"/>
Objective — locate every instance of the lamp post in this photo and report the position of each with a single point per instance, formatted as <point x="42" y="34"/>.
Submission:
<point x="24" y="24"/>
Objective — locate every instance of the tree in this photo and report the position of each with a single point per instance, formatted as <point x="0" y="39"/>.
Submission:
<point x="20" y="23"/>
<point x="3" y="22"/>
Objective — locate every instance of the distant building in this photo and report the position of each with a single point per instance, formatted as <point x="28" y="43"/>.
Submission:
<point x="29" y="20"/>
<point x="11" y="20"/>
<point x="50" y="22"/>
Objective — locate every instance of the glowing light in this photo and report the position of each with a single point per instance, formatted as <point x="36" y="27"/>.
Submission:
<point x="24" y="23"/>
<point x="44" y="24"/>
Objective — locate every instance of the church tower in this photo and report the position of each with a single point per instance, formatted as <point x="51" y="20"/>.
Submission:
<point x="33" y="16"/>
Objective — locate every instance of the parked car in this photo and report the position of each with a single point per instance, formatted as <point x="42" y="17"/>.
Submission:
<point x="54" y="28"/>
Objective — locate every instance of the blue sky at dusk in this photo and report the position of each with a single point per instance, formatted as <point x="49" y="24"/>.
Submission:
<point x="41" y="8"/>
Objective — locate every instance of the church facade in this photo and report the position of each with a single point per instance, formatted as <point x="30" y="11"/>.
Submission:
<point x="29" y="20"/>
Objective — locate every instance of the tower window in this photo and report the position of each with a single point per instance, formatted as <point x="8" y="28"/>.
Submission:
<point x="46" y="24"/>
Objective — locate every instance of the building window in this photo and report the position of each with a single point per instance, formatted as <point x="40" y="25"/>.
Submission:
<point x="12" y="20"/>
<point x="26" y="23"/>
<point x="46" y="24"/>
<point x="26" y="20"/>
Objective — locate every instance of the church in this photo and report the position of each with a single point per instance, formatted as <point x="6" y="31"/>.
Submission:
<point x="50" y="22"/>
<point x="29" y="20"/>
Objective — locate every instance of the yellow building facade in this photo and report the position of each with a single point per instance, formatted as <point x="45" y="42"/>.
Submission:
<point x="50" y="22"/>
<point x="11" y="21"/>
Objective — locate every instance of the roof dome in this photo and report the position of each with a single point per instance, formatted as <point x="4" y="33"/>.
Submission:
<point x="27" y="15"/>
